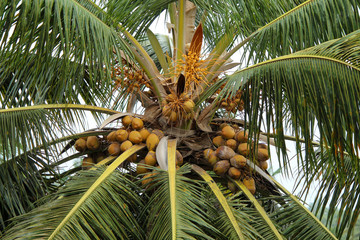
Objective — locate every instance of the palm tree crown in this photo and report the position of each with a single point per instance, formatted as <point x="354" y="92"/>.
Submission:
<point x="182" y="144"/>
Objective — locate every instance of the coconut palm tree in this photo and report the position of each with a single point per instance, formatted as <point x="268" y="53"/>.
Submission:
<point x="181" y="144"/>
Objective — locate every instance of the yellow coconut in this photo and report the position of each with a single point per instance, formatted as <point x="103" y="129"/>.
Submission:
<point x="135" y="137"/>
<point x="166" y="110"/>
<point x="262" y="155"/>
<point x="189" y="106"/>
<point x="173" y="116"/>
<point x="150" y="158"/>
<point x="207" y="153"/>
<point x="140" y="168"/>
<point x="114" y="149"/>
<point x="137" y="123"/>
<point x="147" y="179"/>
<point x="152" y="141"/>
<point x="144" y="133"/>
<point x="125" y="145"/>
<point x="87" y="163"/>
<point x="234" y="173"/>
<point x="238" y="161"/>
<point x="121" y="135"/>
<point x="158" y="133"/>
<point x="227" y="132"/>
<point x="92" y="143"/>
<point x="179" y="158"/>
<point x="249" y="183"/>
<point x="221" y="167"/>
<point x="231" y="143"/>
<point x="243" y="149"/>
<point x="111" y="137"/>
<point x="213" y="159"/>
<point x="263" y="165"/>
<point x="80" y="145"/>
<point x="218" y="141"/>
<point x="126" y="121"/>
<point x="241" y="136"/>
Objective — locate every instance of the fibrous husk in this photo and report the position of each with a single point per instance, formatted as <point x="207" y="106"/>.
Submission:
<point x="152" y="141"/>
<point x="114" y="149"/>
<point x="135" y="137"/>
<point x="249" y="183"/>
<point x="238" y="161"/>
<point x="221" y="167"/>
<point x="224" y="152"/>
<point x="92" y="143"/>
<point x="179" y="158"/>
<point x="80" y="145"/>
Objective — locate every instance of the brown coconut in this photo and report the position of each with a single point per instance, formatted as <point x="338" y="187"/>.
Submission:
<point x="218" y="141"/>
<point x="144" y="134"/>
<point x="238" y="161"/>
<point x="114" y="149"/>
<point x="137" y="123"/>
<point x="221" y="167"/>
<point x="224" y="152"/>
<point x="135" y="137"/>
<point x="241" y="136"/>
<point x="227" y="132"/>
<point x="249" y="183"/>
<point x="80" y="145"/>
<point x="243" y="149"/>
<point x="92" y="143"/>
<point x="234" y="173"/>
<point x="121" y="135"/>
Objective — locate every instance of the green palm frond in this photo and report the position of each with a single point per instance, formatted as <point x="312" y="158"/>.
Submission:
<point x="299" y="88"/>
<point x="114" y="217"/>
<point x="338" y="192"/>
<point x="49" y="47"/>
<point x="21" y="185"/>
<point x="191" y="218"/>
<point x="293" y="30"/>
<point x="27" y="128"/>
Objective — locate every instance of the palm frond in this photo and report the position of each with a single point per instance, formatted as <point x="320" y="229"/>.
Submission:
<point x="57" y="44"/>
<point x="338" y="192"/>
<point x="192" y="221"/>
<point x="299" y="88"/>
<point x="108" y="213"/>
<point x="293" y="30"/>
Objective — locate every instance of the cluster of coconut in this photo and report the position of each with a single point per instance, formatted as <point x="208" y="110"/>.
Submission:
<point x="231" y="154"/>
<point x="233" y="104"/>
<point x="175" y="108"/>
<point x="118" y="141"/>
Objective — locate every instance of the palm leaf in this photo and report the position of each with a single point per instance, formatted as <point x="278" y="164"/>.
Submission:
<point x="319" y="82"/>
<point x="292" y="29"/>
<point x="57" y="44"/>
<point x="77" y="218"/>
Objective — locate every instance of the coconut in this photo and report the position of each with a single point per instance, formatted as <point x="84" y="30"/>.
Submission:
<point x="238" y="161"/>
<point x="148" y="178"/>
<point x="221" y="167"/>
<point x="231" y="143"/>
<point x="223" y="125"/>
<point x="87" y="163"/>
<point x="241" y="136"/>
<point x="213" y="159"/>
<point x="114" y="149"/>
<point x="179" y="158"/>
<point x="189" y="106"/>
<point x="263" y="165"/>
<point x="137" y="123"/>
<point x="224" y="152"/>
<point x="234" y="173"/>
<point x="166" y="110"/>
<point x="232" y="187"/>
<point x="132" y="158"/>
<point x="152" y="141"/>
<point x="243" y="149"/>
<point x="80" y="145"/>
<point x="158" y="133"/>
<point x="150" y="158"/>
<point x="144" y="133"/>
<point x="125" y="145"/>
<point x="126" y="121"/>
<point x="140" y="169"/>
<point x="249" y="183"/>
<point x="262" y="155"/>
<point x="218" y="141"/>
<point x="111" y="137"/>
<point x="173" y="116"/>
<point x="207" y="153"/>
<point x="227" y="132"/>
<point x="135" y="137"/>
<point x="121" y="135"/>
<point x="92" y="143"/>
